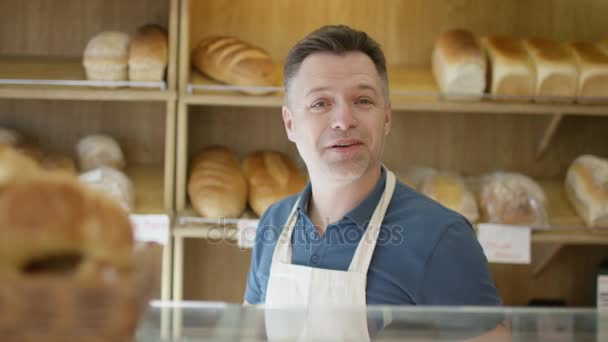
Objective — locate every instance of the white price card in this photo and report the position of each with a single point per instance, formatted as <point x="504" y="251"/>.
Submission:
<point x="246" y="232"/>
<point x="505" y="244"/>
<point x="153" y="228"/>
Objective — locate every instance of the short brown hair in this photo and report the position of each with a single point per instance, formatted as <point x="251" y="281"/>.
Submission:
<point x="338" y="39"/>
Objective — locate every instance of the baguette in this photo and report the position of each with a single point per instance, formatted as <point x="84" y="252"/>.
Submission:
<point x="217" y="187"/>
<point x="235" y="62"/>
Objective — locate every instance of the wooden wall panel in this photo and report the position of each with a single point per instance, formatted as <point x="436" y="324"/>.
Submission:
<point x="215" y="271"/>
<point x="63" y="27"/>
<point x="471" y="144"/>
<point x="406" y="28"/>
<point x="570" y="276"/>
<point x="57" y="125"/>
<point x="245" y="130"/>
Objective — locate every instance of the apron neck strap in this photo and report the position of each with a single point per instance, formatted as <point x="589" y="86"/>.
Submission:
<point x="365" y="249"/>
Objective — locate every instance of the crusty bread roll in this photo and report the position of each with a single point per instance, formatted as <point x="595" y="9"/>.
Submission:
<point x="587" y="189"/>
<point x="58" y="163"/>
<point x="98" y="150"/>
<point x="106" y="56"/>
<point x="555" y="69"/>
<point x="450" y="190"/>
<point x="235" y="62"/>
<point x="113" y="183"/>
<point x="272" y="176"/>
<point x="593" y="71"/>
<point x="217" y="187"/>
<point x="15" y="166"/>
<point x="512" y="72"/>
<point x="512" y="198"/>
<point x="52" y="225"/>
<point x="459" y="65"/>
<point x="148" y="54"/>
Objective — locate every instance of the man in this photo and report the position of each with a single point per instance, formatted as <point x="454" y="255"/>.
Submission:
<point x="355" y="236"/>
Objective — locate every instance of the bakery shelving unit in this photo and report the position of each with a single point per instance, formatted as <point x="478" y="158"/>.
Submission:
<point x="45" y="95"/>
<point x="537" y="139"/>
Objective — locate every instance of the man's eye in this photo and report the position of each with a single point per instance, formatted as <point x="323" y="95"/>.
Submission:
<point x="365" y="101"/>
<point x="319" y="105"/>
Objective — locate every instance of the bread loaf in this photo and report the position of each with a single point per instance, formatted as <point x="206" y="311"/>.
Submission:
<point x="58" y="163"/>
<point x="148" y="54"/>
<point x="512" y="73"/>
<point x="587" y="189"/>
<point x="593" y="71"/>
<point x="234" y="62"/>
<point x="106" y="56"/>
<point x="450" y="190"/>
<point x="217" y="187"/>
<point x="98" y="150"/>
<point x="113" y="183"/>
<point x="555" y="69"/>
<point x="459" y="65"/>
<point x="53" y="225"/>
<point x="15" y="165"/>
<point x="512" y="198"/>
<point x="272" y="176"/>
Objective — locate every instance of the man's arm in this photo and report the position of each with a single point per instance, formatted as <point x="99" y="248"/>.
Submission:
<point x="457" y="272"/>
<point x="253" y="292"/>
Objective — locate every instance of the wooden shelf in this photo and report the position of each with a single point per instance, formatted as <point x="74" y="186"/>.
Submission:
<point x="565" y="225"/>
<point x="148" y="183"/>
<point x="50" y="79"/>
<point x="412" y="89"/>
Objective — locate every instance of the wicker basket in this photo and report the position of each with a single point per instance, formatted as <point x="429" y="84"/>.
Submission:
<point x="54" y="309"/>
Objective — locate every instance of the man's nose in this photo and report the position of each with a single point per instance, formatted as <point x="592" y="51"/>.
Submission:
<point x="343" y="117"/>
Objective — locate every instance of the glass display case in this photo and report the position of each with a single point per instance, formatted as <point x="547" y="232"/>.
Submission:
<point x="204" y="321"/>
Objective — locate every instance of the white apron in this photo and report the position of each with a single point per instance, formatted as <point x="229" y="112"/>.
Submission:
<point x="313" y="293"/>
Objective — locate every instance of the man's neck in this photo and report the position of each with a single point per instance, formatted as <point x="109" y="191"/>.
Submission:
<point x="329" y="202"/>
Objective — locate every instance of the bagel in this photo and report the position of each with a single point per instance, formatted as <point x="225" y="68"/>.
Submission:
<point x="52" y="225"/>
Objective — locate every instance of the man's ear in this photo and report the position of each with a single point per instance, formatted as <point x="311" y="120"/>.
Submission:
<point x="388" y="118"/>
<point x="288" y="122"/>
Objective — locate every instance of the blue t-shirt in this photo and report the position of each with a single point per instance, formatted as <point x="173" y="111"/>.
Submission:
<point x="426" y="254"/>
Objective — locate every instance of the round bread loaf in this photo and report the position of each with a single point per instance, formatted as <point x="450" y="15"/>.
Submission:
<point x="272" y="176"/>
<point x="113" y="183"/>
<point x="50" y="224"/>
<point x="98" y="150"/>
<point x="512" y="198"/>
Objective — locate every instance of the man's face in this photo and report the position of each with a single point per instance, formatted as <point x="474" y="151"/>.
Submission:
<point x="337" y="115"/>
